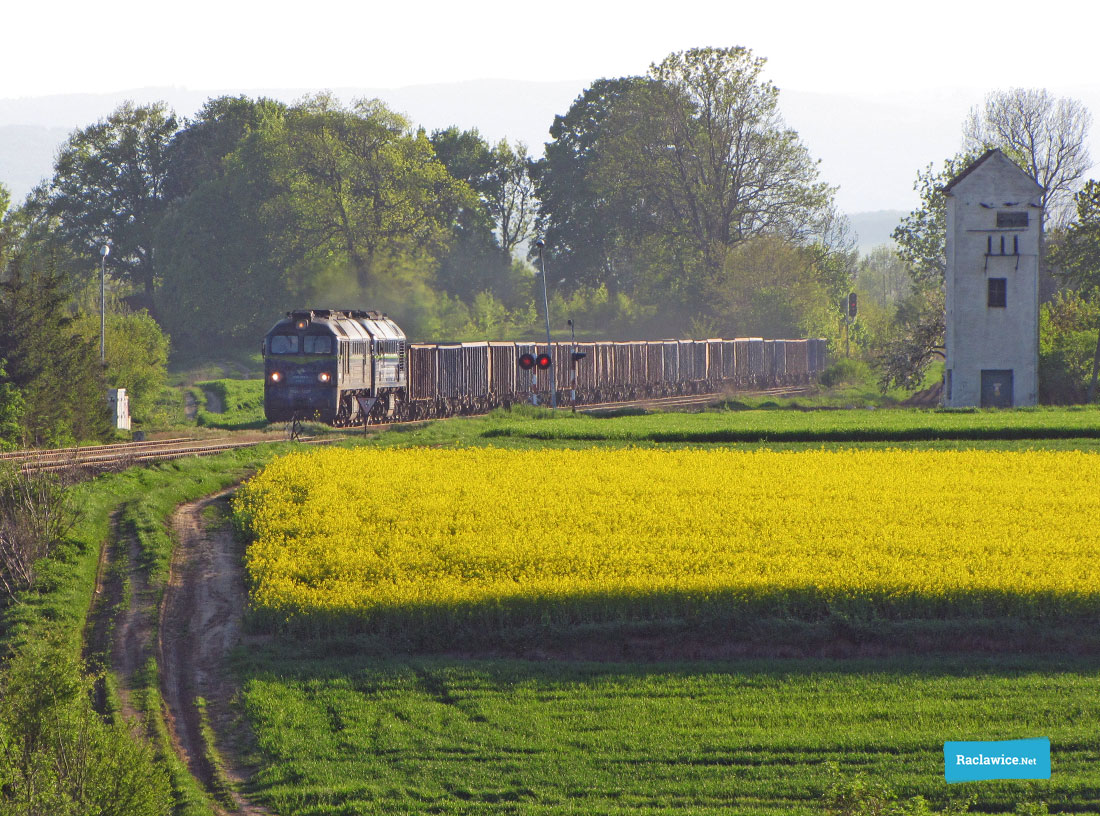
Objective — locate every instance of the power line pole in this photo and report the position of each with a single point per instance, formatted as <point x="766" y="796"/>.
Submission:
<point x="546" y="310"/>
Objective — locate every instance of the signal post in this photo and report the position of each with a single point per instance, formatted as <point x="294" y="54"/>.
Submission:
<point x="529" y="362"/>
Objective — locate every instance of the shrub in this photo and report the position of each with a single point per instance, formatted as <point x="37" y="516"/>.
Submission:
<point x="845" y="371"/>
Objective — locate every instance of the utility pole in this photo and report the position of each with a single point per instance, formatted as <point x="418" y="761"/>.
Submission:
<point x="546" y="310"/>
<point x="104" y="251"/>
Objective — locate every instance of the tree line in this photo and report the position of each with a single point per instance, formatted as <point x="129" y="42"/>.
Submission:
<point x="649" y="196"/>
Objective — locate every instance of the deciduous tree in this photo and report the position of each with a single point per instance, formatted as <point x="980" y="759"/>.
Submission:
<point x="1079" y="256"/>
<point x="367" y="187"/>
<point x="703" y="146"/>
<point x="1045" y="135"/>
<point x="108" y="187"/>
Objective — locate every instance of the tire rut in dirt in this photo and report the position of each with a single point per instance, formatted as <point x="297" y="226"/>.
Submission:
<point x="200" y="623"/>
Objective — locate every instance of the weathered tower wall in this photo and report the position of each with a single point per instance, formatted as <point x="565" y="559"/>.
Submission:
<point x="994" y="232"/>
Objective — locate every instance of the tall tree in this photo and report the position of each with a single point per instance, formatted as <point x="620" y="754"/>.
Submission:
<point x="652" y="181"/>
<point x="242" y="226"/>
<point x="1046" y="136"/>
<point x="703" y="147"/>
<point x="1079" y="256"/>
<point x="57" y="372"/>
<point x="108" y="187"/>
<point x="582" y="228"/>
<point x="368" y="187"/>
<point x="475" y="262"/>
<point x="921" y="238"/>
<point x="198" y="151"/>
<point x="510" y="195"/>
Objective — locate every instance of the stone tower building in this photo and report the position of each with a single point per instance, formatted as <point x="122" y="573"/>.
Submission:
<point x="994" y="229"/>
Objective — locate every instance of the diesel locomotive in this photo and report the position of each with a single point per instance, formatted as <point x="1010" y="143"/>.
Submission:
<point x="349" y="367"/>
<point x="342" y="367"/>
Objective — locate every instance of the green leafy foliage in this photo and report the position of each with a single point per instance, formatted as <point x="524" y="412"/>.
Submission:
<point x="1079" y="256"/>
<point x="58" y="756"/>
<point x="137" y="357"/>
<point x="53" y="367"/>
<point x="1067" y="346"/>
<point x="652" y="184"/>
<point x="108" y="188"/>
<point x="845" y="371"/>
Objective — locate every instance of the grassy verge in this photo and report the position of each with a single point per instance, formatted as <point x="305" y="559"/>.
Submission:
<point x="241" y="403"/>
<point x="56" y="610"/>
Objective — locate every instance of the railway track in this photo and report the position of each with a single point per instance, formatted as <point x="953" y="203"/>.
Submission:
<point x="100" y="458"/>
<point x="120" y="455"/>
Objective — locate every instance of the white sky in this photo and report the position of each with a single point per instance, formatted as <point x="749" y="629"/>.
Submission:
<point x="907" y="72"/>
<point x="888" y="47"/>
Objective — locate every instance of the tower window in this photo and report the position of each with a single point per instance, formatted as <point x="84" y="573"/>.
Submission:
<point x="1011" y="219"/>
<point x="998" y="293"/>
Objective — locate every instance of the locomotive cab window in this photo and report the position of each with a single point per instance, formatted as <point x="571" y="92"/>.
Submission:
<point x="284" y="344"/>
<point x="317" y="344"/>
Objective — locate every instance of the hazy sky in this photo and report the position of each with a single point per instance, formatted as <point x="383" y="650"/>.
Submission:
<point x="887" y="47"/>
<point x="912" y="70"/>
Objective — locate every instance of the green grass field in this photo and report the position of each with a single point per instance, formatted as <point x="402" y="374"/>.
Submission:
<point x="831" y="426"/>
<point x="241" y="404"/>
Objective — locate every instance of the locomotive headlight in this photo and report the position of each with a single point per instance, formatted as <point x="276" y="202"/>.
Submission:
<point x="324" y="377"/>
<point x="276" y="377"/>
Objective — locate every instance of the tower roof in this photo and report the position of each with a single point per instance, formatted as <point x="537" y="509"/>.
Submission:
<point x="994" y="155"/>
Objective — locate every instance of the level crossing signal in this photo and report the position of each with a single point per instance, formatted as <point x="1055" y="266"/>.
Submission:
<point x="529" y="361"/>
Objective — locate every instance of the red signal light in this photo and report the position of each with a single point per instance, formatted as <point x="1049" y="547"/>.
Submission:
<point x="527" y="361"/>
<point x="543" y="361"/>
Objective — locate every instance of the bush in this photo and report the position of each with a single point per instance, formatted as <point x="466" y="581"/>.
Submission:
<point x="35" y="515"/>
<point x="861" y="797"/>
<point x="1067" y="345"/>
<point x="845" y="371"/>
<point x="58" y="756"/>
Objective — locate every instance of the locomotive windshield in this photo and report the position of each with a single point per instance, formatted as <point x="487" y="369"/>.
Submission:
<point x="284" y="344"/>
<point x="317" y="344"/>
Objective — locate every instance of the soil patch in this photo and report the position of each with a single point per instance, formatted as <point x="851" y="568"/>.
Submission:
<point x="200" y="623"/>
<point x="214" y="403"/>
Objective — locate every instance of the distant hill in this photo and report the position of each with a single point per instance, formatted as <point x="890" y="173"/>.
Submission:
<point x="26" y="156"/>
<point x="870" y="146"/>
<point x="873" y="228"/>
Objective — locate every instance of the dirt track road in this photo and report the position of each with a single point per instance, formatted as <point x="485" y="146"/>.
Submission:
<point x="200" y="623"/>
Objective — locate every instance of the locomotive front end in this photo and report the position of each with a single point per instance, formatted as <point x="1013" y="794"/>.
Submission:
<point x="300" y="370"/>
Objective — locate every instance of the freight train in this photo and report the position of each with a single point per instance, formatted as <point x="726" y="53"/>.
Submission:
<point x="346" y="367"/>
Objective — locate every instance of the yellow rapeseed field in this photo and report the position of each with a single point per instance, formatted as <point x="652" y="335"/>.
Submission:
<point x="358" y="532"/>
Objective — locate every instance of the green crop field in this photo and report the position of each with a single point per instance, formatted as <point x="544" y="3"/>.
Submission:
<point x="369" y="725"/>
<point x="438" y="735"/>
<point x="855" y="425"/>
